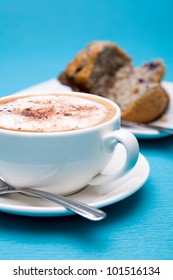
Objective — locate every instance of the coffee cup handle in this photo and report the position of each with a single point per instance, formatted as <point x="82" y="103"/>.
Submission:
<point x="130" y="143"/>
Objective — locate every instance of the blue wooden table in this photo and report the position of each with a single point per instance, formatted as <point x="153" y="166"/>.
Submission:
<point x="37" y="40"/>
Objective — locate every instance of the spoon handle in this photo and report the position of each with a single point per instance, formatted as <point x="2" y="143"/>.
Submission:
<point x="79" y="208"/>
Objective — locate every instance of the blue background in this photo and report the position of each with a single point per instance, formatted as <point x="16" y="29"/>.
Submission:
<point x="37" y="40"/>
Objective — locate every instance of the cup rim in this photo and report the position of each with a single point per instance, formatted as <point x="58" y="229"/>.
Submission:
<point x="115" y="118"/>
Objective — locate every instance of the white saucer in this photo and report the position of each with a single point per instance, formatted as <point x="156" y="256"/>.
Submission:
<point x="166" y="120"/>
<point x="96" y="196"/>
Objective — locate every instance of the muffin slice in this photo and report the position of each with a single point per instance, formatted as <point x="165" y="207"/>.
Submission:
<point x="106" y="70"/>
<point x="138" y="92"/>
<point x="93" y="69"/>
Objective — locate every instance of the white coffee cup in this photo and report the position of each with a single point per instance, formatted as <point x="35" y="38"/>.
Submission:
<point x="65" y="162"/>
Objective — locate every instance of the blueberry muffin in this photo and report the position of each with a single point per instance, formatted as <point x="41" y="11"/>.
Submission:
<point x="106" y="70"/>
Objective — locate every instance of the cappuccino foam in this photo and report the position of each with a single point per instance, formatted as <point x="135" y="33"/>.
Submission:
<point x="51" y="113"/>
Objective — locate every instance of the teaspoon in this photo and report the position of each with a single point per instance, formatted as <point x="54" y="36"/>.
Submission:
<point x="77" y="207"/>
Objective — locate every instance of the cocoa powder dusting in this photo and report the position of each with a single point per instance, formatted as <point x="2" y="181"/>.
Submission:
<point x="38" y="113"/>
<point x="46" y="112"/>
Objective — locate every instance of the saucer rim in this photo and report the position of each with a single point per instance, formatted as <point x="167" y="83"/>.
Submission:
<point x="104" y="200"/>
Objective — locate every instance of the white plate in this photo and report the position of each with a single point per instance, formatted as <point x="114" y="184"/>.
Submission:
<point x="96" y="196"/>
<point x="166" y="120"/>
